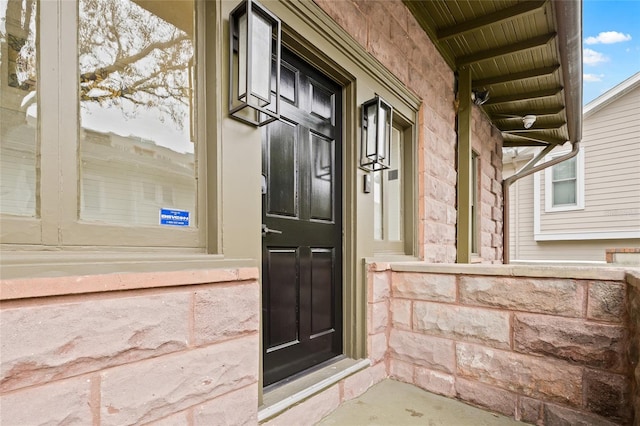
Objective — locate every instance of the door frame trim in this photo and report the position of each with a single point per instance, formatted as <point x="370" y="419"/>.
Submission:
<point x="353" y="295"/>
<point x="303" y="21"/>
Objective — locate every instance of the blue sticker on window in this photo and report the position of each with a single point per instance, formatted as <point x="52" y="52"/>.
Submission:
<point x="174" y="217"/>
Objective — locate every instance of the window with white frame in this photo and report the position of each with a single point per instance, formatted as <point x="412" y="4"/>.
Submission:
<point x="99" y="123"/>
<point x="564" y="183"/>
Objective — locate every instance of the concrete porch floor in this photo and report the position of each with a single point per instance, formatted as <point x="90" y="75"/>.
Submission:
<point x="391" y="403"/>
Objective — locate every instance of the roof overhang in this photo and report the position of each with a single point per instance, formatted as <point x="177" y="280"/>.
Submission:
<point x="527" y="55"/>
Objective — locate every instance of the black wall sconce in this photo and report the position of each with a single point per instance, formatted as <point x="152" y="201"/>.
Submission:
<point x="375" y="149"/>
<point x="254" y="64"/>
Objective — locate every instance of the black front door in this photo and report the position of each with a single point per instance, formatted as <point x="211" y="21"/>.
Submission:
<point x="302" y="224"/>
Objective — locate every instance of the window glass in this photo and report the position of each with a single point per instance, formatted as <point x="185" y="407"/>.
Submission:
<point x="377" y="205"/>
<point x="564" y="183"/>
<point x="394" y="189"/>
<point x="474" y="202"/>
<point x="18" y="108"/>
<point x="137" y="86"/>
<point x="388" y="194"/>
<point x="565" y="170"/>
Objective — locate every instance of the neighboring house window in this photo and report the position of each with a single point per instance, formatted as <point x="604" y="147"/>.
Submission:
<point x="564" y="184"/>
<point x="475" y="181"/>
<point x="393" y="196"/>
<point x="115" y="108"/>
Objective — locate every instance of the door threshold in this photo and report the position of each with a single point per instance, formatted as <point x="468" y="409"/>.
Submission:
<point x="278" y="398"/>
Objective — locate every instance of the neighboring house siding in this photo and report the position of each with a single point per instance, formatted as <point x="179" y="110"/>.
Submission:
<point x="610" y="217"/>
<point x="612" y="176"/>
<point x="523" y="229"/>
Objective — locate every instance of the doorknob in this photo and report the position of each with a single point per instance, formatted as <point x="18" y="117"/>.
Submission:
<point x="266" y="230"/>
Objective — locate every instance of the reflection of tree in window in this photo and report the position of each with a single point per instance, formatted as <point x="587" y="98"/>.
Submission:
<point x="20" y="37"/>
<point x="132" y="59"/>
<point x="136" y="75"/>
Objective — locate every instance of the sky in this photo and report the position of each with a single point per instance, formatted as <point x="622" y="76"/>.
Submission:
<point x="611" y="44"/>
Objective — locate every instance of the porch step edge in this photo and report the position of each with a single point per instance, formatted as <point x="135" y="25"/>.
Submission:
<point x="270" y="411"/>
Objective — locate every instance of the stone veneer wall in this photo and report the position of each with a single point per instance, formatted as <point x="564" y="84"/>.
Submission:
<point x="487" y="142"/>
<point x="184" y="349"/>
<point x="388" y="31"/>
<point x="543" y="350"/>
<point x="633" y="297"/>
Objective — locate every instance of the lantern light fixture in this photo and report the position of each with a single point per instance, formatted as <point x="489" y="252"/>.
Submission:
<point x="254" y="64"/>
<point x="375" y="149"/>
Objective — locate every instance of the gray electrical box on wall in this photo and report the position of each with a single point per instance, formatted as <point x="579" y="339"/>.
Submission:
<point x="366" y="183"/>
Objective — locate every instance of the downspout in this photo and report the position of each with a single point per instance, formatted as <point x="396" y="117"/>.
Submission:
<point x="529" y="169"/>
<point x="569" y="21"/>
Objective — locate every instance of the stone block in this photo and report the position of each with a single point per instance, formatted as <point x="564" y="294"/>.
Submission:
<point x="401" y="313"/>
<point x="487" y="397"/>
<point x="377" y="17"/>
<point x="608" y="395"/>
<point x="419" y="66"/>
<point x="590" y="344"/>
<point x="403" y="43"/>
<point x="435" y="381"/>
<point x="419" y="286"/>
<point x="436" y="212"/>
<point x="421" y="350"/>
<point x="562" y="297"/>
<point x="377" y="345"/>
<point x="236" y="408"/>
<point x="180" y="418"/>
<point x="63" y="402"/>
<point x="554" y="415"/>
<point x="222" y="312"/>
<point x="358" y="383"/>
<point x="43" y="342"/>
<point x="378" y="317"/>
<point x="149" y="390"/>
<point x="528" y="410"/>
<point x="487" y="225"/>
<point x="532" y="376"/>
<point x="606" y="301"/>
<point x="401" y="370"/>
<point x="381" y="46"/>
<point x="311" y="411"/>
<point x="379" y="287"/>
<point x="486" y="326"/>
<point x="400" y="14"/>
<point x="348" y="16"/>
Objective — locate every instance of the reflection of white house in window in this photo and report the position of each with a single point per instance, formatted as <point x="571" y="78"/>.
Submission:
<point x="564" y="184"/>
<point x="127" y="180"/>
<point x="92" y="195"/>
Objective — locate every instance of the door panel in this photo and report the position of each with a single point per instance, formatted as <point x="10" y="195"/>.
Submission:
<point x="322" y="291"/>
<point x="302" y="258"/>
<point x="282" y="169"/>
<point x="283" y="297"/>
<point x="322" y="178"/>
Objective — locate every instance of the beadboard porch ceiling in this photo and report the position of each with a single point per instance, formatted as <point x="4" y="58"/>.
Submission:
<point x="526" y="54"/>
